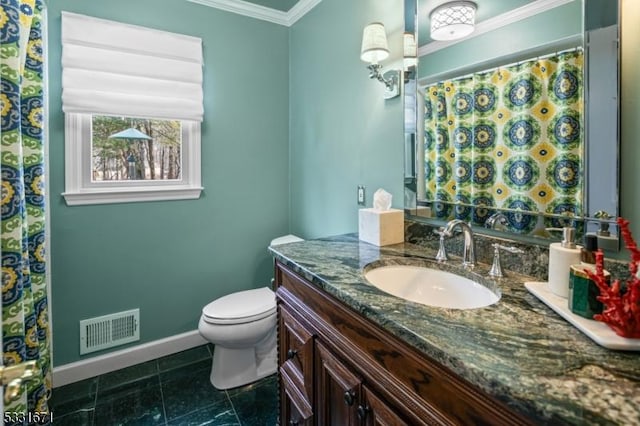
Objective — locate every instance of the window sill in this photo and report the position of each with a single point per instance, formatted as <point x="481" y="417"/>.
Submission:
<point x="130" y="195"/>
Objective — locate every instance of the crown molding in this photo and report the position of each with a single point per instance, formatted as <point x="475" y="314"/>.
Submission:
<point x="263" y="13"/>
<point x="300" y="9"/>
<point x="496" y="22"/>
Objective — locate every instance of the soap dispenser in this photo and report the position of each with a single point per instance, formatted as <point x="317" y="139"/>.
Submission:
<point x="561" y="256"/>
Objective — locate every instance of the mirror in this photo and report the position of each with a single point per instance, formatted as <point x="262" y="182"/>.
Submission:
<point x="542" y="149"/>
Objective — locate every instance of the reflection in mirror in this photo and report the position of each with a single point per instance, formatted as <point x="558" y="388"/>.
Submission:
<point x="520" y="117"/>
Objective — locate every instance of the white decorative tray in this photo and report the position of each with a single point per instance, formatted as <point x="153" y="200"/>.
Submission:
<point x="598" y="331"/>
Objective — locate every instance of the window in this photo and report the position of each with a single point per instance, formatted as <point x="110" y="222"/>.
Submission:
<point x="132" y="112"/>
<point x="98" y="169"/>
<point x="125" y="148"/>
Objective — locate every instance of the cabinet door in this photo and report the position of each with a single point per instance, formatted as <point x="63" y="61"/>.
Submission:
<point x="294" y="407"/>
<point x="338" y="390"/>
<point x="375" y="411"/>
<point x="296" y="352"/>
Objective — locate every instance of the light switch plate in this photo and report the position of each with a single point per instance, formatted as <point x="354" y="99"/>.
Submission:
<point x="361" y="195"/>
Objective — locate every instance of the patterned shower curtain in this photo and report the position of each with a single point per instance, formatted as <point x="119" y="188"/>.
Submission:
<point x="507" y="138"/>
<point x="25" y="328"/>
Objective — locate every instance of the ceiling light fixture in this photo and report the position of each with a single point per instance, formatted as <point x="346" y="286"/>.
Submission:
<point x="453" y="20"/>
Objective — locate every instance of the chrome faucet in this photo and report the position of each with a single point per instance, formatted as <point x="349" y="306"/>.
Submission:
<point x="495" y="219"/>
<point x="469" y="251"/>
<point x="496" y="268"/>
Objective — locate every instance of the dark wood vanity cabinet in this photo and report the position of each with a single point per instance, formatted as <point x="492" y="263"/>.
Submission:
<point x="338" y="368"/>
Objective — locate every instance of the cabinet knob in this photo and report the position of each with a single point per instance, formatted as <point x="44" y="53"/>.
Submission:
<point x="362" y="412"/>
<point x="291" y="353"/>
<point x="349" y="398"/>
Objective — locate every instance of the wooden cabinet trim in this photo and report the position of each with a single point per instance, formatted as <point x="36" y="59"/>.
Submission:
<point x="296" y="352"/>
<point x="302" y="405"/>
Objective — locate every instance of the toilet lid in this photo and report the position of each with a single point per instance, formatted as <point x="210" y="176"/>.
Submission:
<point x="285" y="240"/>
<point x="242" y="306"/>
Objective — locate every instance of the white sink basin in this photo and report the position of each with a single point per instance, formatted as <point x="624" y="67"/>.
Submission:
<point x="431" y="287"/>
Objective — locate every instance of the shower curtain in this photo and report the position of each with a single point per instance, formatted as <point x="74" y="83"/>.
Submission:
<point x="25" y="328"/>
<point x="511" y="137"/>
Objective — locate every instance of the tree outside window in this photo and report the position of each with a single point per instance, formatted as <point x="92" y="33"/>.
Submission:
<point x="125" y="148"/>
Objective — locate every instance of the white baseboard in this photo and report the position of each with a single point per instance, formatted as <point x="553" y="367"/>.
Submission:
<point x="80" y="370"/>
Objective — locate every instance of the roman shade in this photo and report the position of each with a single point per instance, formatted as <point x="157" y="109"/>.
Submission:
<point x="111" y="68"/>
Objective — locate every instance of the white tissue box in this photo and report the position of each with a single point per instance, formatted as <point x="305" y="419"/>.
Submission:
<point x="381" y="228"/>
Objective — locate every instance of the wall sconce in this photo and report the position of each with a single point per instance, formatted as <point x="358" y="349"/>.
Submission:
<point x="375" y="49"/>
<point x="410" y="50"/>
<point x="453" y="20"/>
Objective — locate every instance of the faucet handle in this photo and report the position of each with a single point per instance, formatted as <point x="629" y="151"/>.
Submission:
<point x="510" y="249"/>
<point x="441" y="256"/>
<point x="496" y="267"/>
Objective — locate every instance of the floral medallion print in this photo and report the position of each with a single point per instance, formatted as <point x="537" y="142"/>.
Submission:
<point x="484" y="172"/>
<point x="523" y="93"/>
<point x="564" y="173"/>
<point x="517" y="143"/>
<point x="442" y="205"/>
<point x="429" y="140"/>
<point x="462" y="169"/>
<point x="483" y="201"/>
<point x="566" y="85"/>
<point x="462" y="138"/>
<point x="521" y="173"/>
<point x="521" y="133"/>
<point x="485" y="99"/>
<point x="442" y="171"/>
<point x="521" y="221"/>
<point x="428" y="109"/>
<point x="463" y="210"/>
<point x="442" y="139"/>
<point x="565" y="130"/>
<point x="484" y="136"/>
<point x="25" y="328"/>
<point x="462" y="104"/>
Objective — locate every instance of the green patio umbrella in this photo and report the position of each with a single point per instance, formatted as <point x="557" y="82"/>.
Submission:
<point x="131" y="134"/>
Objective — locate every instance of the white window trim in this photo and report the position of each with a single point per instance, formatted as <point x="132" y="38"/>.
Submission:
<point x="80" y="190"/>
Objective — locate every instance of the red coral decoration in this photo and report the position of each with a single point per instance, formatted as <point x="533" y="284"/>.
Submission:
<point x="622" y="311"/>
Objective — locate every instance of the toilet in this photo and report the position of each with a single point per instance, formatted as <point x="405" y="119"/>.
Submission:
<point x="242" y="326"/>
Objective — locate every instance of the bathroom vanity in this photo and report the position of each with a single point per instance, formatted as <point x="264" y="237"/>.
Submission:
<point x="350" y="354"/>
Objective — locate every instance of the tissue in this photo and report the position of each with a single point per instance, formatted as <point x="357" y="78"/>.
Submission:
<point x="382" y="200"/>
<point x="381" y="225"/>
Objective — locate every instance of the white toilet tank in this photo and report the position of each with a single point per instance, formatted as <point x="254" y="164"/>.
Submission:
<point x="285" y="240"/>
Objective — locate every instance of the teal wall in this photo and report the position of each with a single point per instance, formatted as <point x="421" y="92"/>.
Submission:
<point x="171" y="258"/>
<point x="525" y="35"/>
<point x="342" y="132"/>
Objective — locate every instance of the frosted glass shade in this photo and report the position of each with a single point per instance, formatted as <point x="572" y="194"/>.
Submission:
<point x="453" y="20"/>
<point x="374" y="43"/>
<point x="409" y="44"/>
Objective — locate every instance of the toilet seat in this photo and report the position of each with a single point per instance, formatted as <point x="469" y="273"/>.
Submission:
<point x="241" y="307"/>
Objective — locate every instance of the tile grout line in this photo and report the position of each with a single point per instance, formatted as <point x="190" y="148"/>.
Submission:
<point x="95" y="401"/>
<point x="164" y="408"/>
<point x="233" y="407"/>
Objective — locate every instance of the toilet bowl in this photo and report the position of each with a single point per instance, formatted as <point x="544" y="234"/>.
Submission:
<point x="242" y="326"/>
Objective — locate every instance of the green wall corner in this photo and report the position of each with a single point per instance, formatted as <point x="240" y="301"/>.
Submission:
<point x="171" y="258"/>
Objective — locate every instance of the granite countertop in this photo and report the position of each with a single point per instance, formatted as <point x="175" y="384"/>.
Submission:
<point x="517" y="350"/>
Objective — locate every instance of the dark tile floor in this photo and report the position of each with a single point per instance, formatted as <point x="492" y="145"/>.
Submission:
<point x="173" y="390"/>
